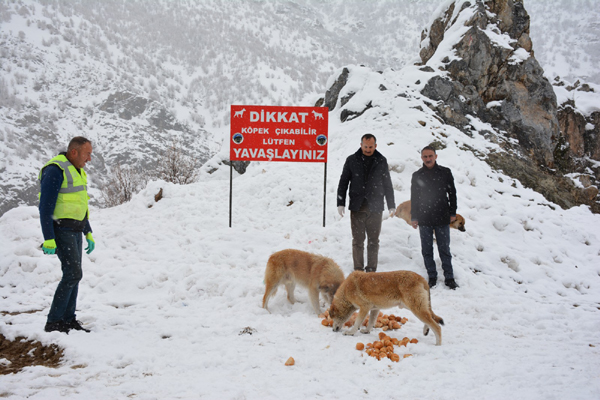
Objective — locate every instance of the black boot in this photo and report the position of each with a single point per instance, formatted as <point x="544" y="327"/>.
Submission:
<point x="58" y="326"/>
<point x="432" y="282"/>
<point x="76" y="325"/>
<point x="451" y="283"/>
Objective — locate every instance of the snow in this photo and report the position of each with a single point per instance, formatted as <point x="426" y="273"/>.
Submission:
<point x="173" y="295"/>
<point x="451" y="36"/>
<point x="500" y="39"/>
<point x="519" y="56"/>
<point x="586" y="101"/>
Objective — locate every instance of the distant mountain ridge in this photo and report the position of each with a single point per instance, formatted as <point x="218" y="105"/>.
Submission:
<point x="62" y="63"/>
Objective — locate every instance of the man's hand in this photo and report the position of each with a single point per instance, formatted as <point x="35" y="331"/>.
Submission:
<point x="414" y="223"/>
<point x="90" y="241"/>
<point x="392" y="212"/>
<point x="341" y="210"/>
<point x="49" y="246"/>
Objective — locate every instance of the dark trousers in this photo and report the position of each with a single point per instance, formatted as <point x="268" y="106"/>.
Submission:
<point x="442" y="237"/>
<point x="365" y="224"/>
<point x="68" y="250"/>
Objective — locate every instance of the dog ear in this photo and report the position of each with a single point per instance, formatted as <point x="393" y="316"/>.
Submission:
<point x="325" y="288"/>
<point x="331" y="311"/>
<point x="334" y="288"/>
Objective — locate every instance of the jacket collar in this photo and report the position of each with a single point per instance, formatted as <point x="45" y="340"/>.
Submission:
<point x="435" y="167"/>
<point x="376" y="154"/>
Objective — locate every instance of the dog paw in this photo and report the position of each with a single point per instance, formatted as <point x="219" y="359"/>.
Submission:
<point x="365" y="331"/>
<point x="349" y="333"/>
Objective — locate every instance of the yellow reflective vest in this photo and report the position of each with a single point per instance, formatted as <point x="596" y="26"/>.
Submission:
<point x="73" y="198"/>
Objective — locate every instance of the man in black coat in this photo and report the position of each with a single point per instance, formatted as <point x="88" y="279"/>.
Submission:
<point x="368" y="175"/>
<point x="433" y="208"/>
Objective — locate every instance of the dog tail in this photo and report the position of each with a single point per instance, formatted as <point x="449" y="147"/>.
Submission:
<point x="273" y="276"/>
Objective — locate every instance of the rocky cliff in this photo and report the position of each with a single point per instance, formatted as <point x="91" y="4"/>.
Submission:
<point x="481" y="66"/>
<point x="494" y="76"/>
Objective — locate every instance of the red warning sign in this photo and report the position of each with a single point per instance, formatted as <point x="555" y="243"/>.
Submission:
<point x="270" y="133"/>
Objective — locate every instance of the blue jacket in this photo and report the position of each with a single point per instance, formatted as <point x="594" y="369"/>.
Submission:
<point x="372" y="186"/>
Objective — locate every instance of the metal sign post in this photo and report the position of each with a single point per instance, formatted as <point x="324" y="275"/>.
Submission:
<point x="324" y="191"/>
<point x="230" y="190"/>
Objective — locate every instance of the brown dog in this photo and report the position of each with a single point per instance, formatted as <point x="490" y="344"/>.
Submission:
<point x="403" y="211"/>
<point x="317" y="273"/>
<point x="373" y="291"/>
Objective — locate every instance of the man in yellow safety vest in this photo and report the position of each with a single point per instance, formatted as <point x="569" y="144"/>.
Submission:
<point x="64" y="217"/>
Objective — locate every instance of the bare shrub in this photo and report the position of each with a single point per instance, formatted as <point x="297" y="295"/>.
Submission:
<point x="123" y="183"/>
<point x="177" y="167"/>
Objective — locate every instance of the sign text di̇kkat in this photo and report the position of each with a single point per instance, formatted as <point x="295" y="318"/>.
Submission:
<point x="269" y="133"/>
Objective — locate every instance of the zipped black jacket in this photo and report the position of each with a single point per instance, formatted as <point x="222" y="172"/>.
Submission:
<point x="372" y="187"/>
<point x="433" y="196"/>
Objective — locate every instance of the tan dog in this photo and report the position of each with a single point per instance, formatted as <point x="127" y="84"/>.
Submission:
<point x="373" y="291"/>
<point x="403" y="211"/>
<point x="317" y="273"/>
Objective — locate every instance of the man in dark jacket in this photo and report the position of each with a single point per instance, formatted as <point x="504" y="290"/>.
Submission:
<point x="367" y="173"/>
<point x="433" y="208"/>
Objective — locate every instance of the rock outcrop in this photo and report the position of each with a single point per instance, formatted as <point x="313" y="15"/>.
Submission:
<point x="578" y="149"/>
<point x="127" y="106"/>
<point x="140" y="130"/>
<point x="333" y="93"/>
<point x="479" y="62"/>
<point x="494" y="76"/>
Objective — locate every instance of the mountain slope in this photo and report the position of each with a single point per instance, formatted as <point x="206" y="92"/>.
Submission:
<point x="188" y="61"/>
<point x="173" y="295"/>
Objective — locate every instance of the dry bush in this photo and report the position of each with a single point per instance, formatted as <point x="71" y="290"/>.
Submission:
<point x="173" y="166"/>
<point x="176" y="167"/>
<point x="124" y="182"/>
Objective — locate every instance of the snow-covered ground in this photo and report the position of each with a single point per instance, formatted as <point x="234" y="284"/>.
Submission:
<point x="173" y="295"/>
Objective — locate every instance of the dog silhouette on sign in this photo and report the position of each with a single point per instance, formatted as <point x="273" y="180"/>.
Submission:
<point x="317" y="115"/>
<point x="239" y="114"/>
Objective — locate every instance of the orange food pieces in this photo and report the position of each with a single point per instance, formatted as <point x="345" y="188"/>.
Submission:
<point x="384" y="347"/>
<point x="385" y="322"/>
<point x="379" y="349"/>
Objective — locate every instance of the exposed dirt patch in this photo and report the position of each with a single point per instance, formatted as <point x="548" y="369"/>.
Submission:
<point x="22" y="353"/>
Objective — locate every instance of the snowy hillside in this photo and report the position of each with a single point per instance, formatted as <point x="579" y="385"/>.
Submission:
<point x="61" y="61"/>
<point x="172" y="294"/>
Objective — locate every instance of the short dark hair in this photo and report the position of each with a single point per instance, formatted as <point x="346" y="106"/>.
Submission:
<point x="428" y="148"/>
<point x="368" y="136"/>
<point x="77" y="142"/>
